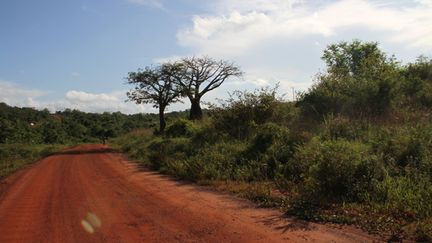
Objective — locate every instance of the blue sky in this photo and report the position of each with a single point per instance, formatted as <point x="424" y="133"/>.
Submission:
<point x="75" y="54"/>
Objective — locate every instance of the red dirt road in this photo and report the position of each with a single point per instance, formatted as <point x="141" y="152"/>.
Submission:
<point x="89" y="194"/>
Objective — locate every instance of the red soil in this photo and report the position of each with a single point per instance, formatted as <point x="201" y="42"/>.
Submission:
<point x="89" y="194"/>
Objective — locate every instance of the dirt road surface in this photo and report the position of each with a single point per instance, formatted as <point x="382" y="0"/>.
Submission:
<point x="90" y="194"/>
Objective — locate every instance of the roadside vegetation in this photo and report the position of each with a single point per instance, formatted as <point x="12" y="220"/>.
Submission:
<point x="16" y="156"/>
<point x="356" y="148"/>
<point x="31" y="126"/>
<point x="27" y="135"/>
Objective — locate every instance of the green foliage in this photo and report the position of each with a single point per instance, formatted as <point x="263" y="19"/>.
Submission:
<point x="417" y="82"/>
<point x="360" y="82"/>
<point x="52" y="132"/>
<point x="157" y="86"/>
<point x="134" y="143"/>
<point x="336" y="127"/>
<point x="407" y="195"/>
<point x="404" y="148"/>
<point x="337" y="170"/>
<point x="240" y="115"/>
<point x="181" y="128"/>
<point x="15" y="156"/>
<point x="30" y="126"/>
<point x="267" y="135"/>
<point x="218" y="162"/>
<point x="355" y="148"/>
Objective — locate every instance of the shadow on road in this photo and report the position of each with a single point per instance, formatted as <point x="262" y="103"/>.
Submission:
<point x="86" y="151"/>
<point x="285" y="223"/>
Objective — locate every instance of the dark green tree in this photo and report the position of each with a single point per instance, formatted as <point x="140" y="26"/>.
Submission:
<point x="104" y="133"/>
<point x="360" y="81"/>
<point x="156" y="85"/>
<point x="417" y="85"/>
<point x="52" y="131"/>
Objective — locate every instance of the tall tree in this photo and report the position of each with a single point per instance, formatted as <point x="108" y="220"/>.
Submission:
<point x="201" y="75"/>
<point x="155" y="85"/>
<point x="360" y="81"/>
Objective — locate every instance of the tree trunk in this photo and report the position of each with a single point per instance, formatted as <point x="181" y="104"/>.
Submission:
<point x="162" y="123"/>
<point x="195" y="111"/>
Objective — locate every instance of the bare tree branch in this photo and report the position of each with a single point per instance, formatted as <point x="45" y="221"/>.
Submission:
<point x="201" y="75"/>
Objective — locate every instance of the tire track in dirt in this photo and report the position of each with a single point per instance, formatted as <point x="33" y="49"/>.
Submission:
<point x="89" y="194"/>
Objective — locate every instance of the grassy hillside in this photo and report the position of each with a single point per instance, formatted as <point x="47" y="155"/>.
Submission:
<point x="355" y="148"/>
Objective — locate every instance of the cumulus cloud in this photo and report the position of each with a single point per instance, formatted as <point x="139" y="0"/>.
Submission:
<point x="282" y="40"/>
<point x="15" y="95"/>
<point x="83" y="97"/>
<point x="239" y="25"/>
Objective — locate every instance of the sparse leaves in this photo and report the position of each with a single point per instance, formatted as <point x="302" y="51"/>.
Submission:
<point x="201" y="75"/>
<point x="157" y="86"/>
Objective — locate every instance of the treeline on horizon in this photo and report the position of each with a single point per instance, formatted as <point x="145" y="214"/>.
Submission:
<point x="31" y="126"/>
<point x="355" y="148"/>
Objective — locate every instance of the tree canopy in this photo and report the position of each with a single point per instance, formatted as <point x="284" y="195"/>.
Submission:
<point x="156" y="85"/>
<point x="201" y="75"/>
<point x="359" y="80"/>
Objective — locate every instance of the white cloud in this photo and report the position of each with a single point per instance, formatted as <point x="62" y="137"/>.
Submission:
<point x="83" y="97"/>
<point x="239" y="25"/>
<point x="173" y="58"/>
<point x="101" y="102"/>
<point x="282" y="40"/>
<point x="15" y="95"/>
<point x="223" y="6"/>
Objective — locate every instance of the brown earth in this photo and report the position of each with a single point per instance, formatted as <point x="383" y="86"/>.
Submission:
<point x="90" y="194"/>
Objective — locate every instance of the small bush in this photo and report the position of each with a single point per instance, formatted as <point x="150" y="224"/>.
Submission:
<point x="206" y="135"/>
<point x="404" y="148"/>
<point x="408" y="195"/>
<point x="337" y="170"/>
<point x="267" y="135"/>
<point x="268" y="150"/>
<point x="336" y="127"/>
<point x="161" y="151"/>
<point x="219" y="161"/>
<point x="181" y="128"/>
<point x="239" y="116"/>
<point x="15" y="156"/>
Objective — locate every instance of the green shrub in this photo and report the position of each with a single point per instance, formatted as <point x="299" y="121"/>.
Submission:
<point x="161" y="151"/>
<point x="408" y="195"/>
<point x="417" y="81"/>
<point x="206" y="134"/>
<point x="267" y="135"/>
<point x="239" y="116"/>
<point x="336" y="127"/>
<point x="181" y="128"/>
<point x="403" y="148"/>
<point x="217" y="162"/>
<point x="269" y="148"/>
<point x="15" y="156"/>
<point x="337" y="170"/>
<point x="360" y="81"/>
